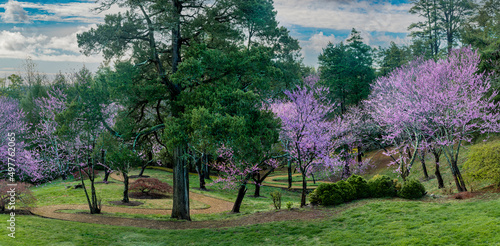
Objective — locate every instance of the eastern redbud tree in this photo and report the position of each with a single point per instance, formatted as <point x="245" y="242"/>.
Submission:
<point x="444" y="102"/>
<point x="304" y="126"/>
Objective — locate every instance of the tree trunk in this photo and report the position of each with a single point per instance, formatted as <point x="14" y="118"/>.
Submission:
<point x="107" y="171"/>
<point x="239" y="198"/>
<point x="424" y="167"/>
<point x="257" y="185"/>
<point x="150" y="159"/>
<point x="180" y="209"/>
<point x="304" y="190"/>
<point x="201" y="173"/>
<point x="360" y="159"/>
<point x="289" y="173"/>
<point x="437" y="172"/>
<point x="125" y="187"/>
<point x="457" y="176"/>
<point x="257" y="189"/>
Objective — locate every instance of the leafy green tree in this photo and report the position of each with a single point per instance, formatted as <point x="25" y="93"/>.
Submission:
<point x="482" y="32"/>
<point x="122" y="158"/>
<point x="393" y="57"/>
<point x="164" y="35"/>
<point x="346" y="70"/>
<point x="443" y="21"/>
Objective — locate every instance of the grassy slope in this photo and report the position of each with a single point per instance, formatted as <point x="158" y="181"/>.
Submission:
<point x="373" y="222"/>
<point x="367" y="222"/>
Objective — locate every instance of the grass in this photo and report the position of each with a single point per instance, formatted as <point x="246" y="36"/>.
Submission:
<point x="366" y="222"/>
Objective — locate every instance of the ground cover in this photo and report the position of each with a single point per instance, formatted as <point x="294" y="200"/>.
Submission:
<point x="374" y="222"/>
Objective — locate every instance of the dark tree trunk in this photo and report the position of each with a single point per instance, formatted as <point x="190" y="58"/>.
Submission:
<point x="106" y="175"/>
<point x="457" y="176"/>
<point x="201" y="172"/>
<point x="150" y="160"/>
<point x="289" y="173"/>
<point x="125" y="188"/>
<point x="107" y="171"/>
<point x="304" y="190"/>
<point x="180" y="209"/>
<point x="257" y="184"/>
<point x="239" y="198"/>
<point x="360" y="155"/>
<point x="257" y="189"/>
<point x="437" y="172"/>
<point x="424" y="167"/>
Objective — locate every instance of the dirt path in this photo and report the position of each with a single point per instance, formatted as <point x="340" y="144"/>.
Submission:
<point x="215" y="206"/>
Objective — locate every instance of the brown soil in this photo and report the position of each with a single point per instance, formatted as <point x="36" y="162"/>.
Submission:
<point x="142" y="195"/>
<point x="130" y="203"/>
<point x="466" y="195"/>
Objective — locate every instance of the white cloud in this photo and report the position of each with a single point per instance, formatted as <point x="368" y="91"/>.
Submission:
<point x="14" y="44"/>
<point x="14" y="13"/>
<point x="344" y="15"/>
<point x="57" y="12"/>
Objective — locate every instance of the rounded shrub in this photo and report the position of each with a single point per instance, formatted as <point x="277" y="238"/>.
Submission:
<point x="326" y="194"/>
<point x="332" y="196"/>
<point x="360" y="185"/>
<point x="412" y="189"/>
<point x="347" y="191"/>
<point x="381" y="186"/>
<point x="483" y="163"/>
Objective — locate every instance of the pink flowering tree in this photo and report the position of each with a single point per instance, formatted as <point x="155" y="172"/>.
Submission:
<point x="236" y="171"/>
<point x="51" y="148"/>
<point x="393" y="105"/>
<point x="442" y="102"/>
<point x="14" y="150"/>
<point x="304" y="126"/>
<point x="355" y="128"/>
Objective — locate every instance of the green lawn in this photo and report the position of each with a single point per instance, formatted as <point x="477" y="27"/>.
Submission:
<point x="367" y="222"/>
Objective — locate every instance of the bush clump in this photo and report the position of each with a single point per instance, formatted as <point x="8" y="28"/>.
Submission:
<point x="347" y="191"/>
<point x="23" y="196"/>
<point x="276" y="196"/>
<point x="412" y="189"/>
<point x="381" y="186"/>
<point x="360" y="185"/>
<point x="484" y="163"/>
<point x="151" y="186"/>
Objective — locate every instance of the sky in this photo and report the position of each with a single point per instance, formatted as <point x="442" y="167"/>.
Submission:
<point x="45" y="31"/>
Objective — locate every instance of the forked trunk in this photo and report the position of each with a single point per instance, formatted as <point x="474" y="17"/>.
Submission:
<point x="437" y="172"/>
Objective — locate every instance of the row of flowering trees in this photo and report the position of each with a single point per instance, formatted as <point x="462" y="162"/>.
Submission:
<point x="426" y="105"/>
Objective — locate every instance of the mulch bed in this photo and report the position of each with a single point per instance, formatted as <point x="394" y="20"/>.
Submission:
<point x="142" y="195"/>
<point x="131" y="203"/>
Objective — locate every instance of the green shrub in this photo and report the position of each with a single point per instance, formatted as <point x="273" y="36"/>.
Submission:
<point x="484" y="162"/>
<point x="412" y="189"/>
<point x="332" y="196"/>
<point x="326" y="194"/>
<point x="360" y="185"/>
<point x="381" y="186"/>
<point x="289" y="205"/>
<point x="276" y="196"/>
<point x="314" y="198"/>
<point x="347" y="191"/>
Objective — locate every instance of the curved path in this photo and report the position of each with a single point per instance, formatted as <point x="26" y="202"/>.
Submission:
<point x="215" y="206"/>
